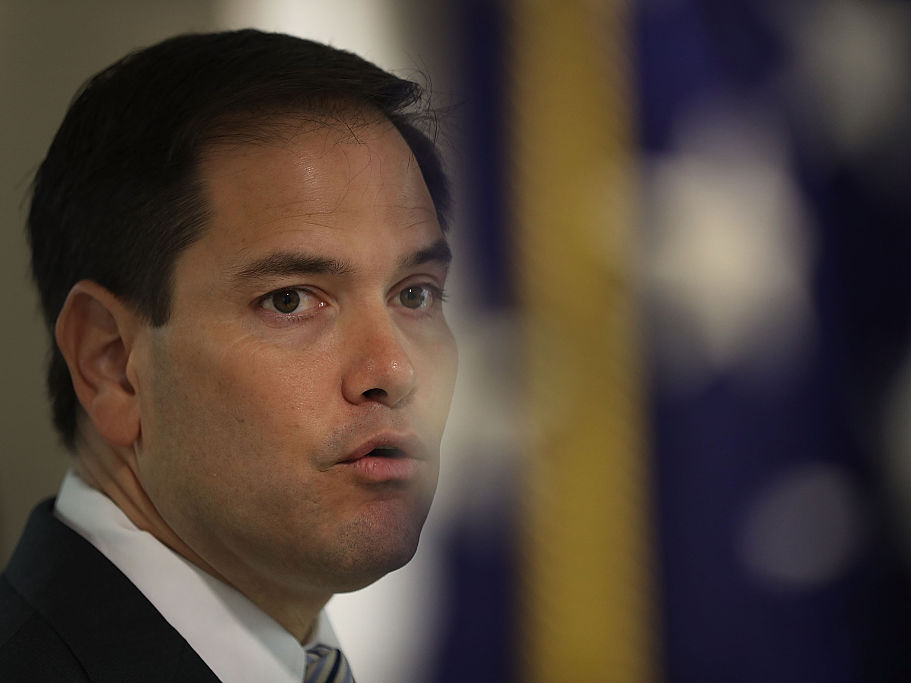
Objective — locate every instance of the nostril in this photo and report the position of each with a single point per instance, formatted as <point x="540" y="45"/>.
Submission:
<point x="375" y="394"/>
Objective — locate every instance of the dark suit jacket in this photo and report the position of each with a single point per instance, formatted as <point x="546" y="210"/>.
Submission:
<point x="68" y="614"/>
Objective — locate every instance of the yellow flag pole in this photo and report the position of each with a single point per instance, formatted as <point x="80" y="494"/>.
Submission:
<point x="587" y="567"/>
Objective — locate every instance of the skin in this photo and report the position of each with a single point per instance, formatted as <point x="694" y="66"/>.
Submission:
<point x="225" y="432"/>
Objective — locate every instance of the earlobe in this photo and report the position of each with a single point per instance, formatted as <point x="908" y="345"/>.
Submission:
<point x="94" y="332"/>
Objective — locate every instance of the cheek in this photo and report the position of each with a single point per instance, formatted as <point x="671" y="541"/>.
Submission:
<point x="238" y="401"/>
<point x="230" y="425"/>
<point x="271" y="378"/>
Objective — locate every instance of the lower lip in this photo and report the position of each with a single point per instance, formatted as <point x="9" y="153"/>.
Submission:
<point x="378" y="470"/>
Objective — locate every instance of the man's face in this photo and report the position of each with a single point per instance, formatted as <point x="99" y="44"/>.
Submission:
<point x="306" y="330"/>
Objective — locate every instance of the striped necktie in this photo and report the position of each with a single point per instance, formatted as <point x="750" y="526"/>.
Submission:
<point x="327" y="665"/>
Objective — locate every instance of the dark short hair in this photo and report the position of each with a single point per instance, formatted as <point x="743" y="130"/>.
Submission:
<point x="117" y="197"/>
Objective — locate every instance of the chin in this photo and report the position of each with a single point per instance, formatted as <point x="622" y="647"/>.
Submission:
<point x="370" y="570"/>
<point x="368" y="554"/>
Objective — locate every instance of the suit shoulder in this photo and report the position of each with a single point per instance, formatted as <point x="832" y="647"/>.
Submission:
<point x="30" y="649"/>
<point x="14" y="611"/>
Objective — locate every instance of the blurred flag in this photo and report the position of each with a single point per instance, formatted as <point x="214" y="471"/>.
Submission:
<point x="698" y="210"/>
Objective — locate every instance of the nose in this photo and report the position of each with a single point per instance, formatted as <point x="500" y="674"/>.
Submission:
<point x="379" y="369"/>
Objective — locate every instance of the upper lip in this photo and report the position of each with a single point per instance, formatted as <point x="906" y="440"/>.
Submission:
<point x="408" y="445"/>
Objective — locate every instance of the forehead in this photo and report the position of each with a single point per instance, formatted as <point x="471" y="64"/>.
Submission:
<point x="315" y="185"/>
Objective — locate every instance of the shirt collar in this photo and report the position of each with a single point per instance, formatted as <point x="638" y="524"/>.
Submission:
<point x="234" y="637"/>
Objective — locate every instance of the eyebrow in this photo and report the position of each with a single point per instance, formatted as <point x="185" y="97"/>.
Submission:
<point x="291" y="263"/>
<point x="281" y="264"/>
<point x="438" y="252"/>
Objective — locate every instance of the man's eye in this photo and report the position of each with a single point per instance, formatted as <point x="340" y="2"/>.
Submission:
<point x="420" y="296"/>
<point x="289" y="301"/>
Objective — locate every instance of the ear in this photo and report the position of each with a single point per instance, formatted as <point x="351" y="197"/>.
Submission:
<point x="94" y="332"/>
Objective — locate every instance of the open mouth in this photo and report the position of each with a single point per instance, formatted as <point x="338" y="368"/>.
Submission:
<point x="386" y="452"/>
<point x="386" y="459"/>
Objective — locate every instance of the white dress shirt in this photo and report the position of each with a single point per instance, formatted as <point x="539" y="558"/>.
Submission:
<point x="234" y="637"/>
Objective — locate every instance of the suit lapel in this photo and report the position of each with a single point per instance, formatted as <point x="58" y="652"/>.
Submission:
<point x="115" y="632"/>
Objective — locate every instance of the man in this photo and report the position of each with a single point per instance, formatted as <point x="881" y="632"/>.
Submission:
<point x="238" y="244"/>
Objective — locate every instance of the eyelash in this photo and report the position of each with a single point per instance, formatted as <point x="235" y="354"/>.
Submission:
<point x="438" y="293"/>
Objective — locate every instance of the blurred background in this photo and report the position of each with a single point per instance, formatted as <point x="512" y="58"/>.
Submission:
<point x="680" y="448"/>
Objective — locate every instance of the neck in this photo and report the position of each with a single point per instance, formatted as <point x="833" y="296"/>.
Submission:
<point x="113" y="471"/>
